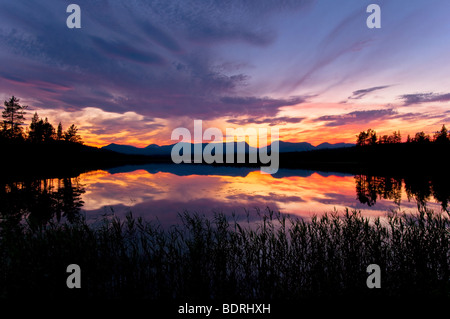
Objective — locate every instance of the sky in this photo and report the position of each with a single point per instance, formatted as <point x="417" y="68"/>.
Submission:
<point x="136" y="70"/>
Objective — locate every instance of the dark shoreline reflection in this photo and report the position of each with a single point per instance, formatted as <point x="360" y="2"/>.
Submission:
<point x="421" y="189"/>
<point x="370" y="188"/>
<point x="41" y="200"/>
<point x="221" y="170"/>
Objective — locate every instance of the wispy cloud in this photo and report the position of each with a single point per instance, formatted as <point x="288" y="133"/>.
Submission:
<point x="259" y="105"/>
<point x="363" y="92"/>
<point x="418" y="98"/>
<point x="268" y="120"/>
<point x="121" y="50"/>
<point x="356" y="117"/>
<point x="367" y="116"/>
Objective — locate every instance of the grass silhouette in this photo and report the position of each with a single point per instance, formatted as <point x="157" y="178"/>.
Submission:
<point x="277" y="258"/>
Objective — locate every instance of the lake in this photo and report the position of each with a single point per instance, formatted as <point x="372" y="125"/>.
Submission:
<point x="161" y="191"/>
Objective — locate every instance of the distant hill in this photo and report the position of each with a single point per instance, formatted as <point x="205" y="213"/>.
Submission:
<point x="284" y="147"/>
<point x="151" y="149"/>
<point x="337" y="145"/>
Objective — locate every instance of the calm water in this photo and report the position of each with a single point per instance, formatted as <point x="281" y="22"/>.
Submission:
<point x="163" y="191"/>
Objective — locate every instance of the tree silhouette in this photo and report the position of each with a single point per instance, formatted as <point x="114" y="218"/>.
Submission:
<point x="370" y="188"/>
<point x="421" y="137"/>
<point x="408" y="139"/>
<point x="391" y="139"/>
<point x="442" y="136"/>
<point x="49" y="131"/>
<point x="35" y="133"/>
<point x="13" y="115"/>
<point x="441" y="191"/>
<point x="68" y="198"/>
<point x="40" y="130"/>
<point x="366" y="138"/>
<point x="419" y="189"/>
<point x="365" y="190"/>
<point x="59" y="132"/>
<point x="384" y="139"/>
<point x="40" y="200"/>
<point x="396" y="137"/>
<point x="72" y="135"/>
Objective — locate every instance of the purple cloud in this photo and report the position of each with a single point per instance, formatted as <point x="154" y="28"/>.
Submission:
<point x="157" y="59"/>
<point x="356" y="95"/>
<point x="371" y="115"/>
<point x="418" y="98"/>
<point x="271" y="121"/>
<point x="356" y="117"/>
<point x="127" y="52"/>
<point x="256" y="106"/>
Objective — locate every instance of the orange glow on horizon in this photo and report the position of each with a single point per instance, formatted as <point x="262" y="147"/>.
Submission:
<point x="310" y="129"/>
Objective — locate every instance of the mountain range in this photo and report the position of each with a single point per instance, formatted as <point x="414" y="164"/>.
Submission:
<point x="284" y="147"/>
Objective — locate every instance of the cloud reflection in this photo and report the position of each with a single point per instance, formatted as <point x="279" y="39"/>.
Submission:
<point x="163" y="195"/>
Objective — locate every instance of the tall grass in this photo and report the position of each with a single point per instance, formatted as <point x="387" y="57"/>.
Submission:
<point x="281" y="258"/>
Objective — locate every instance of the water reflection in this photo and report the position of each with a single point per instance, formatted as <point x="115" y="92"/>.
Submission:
<point x="163" y="191"/>
<point x="370" y="188"/>
<point x="40" y="200"/>
<point x="421" y="189"/>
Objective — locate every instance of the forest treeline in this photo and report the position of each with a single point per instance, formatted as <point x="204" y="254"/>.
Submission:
<point x="39" y="131"/>
<point x="380" y="154"/>
<point x="40" y="149"/>
<point x="370" y="137"/>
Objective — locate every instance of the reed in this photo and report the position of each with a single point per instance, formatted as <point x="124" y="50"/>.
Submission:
<point x="278" y="257"/>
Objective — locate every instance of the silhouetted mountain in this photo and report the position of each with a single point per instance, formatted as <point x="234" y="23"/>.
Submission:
<point x="293" y="147"/>
<point x="154" y="149"/>
<point x="337" y="145"/>
<point x="151" y="149"/>
<point x="125" y="149"/>
<point x="284" y="147"/>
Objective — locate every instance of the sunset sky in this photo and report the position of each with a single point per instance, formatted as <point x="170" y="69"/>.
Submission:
<point x="138" y="69"/>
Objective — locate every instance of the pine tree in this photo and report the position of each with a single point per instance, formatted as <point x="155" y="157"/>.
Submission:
<point x="408" y="139"/>
<point x="41" y="130"/>
<point x="72" y="136"/>
<point x="441" y="136"/>
<point x="396" y="137"/>
<point x="13" y="115"/>
<point x="48" y="131"/>
<point x="35" y="129"/>
<point x="59" y="132"/>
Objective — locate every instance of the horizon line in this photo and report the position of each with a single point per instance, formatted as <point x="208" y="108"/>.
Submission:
<point x="193" y="143"/>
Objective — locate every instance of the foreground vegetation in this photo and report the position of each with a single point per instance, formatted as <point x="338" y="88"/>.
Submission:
<point x="278" y="258"/>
